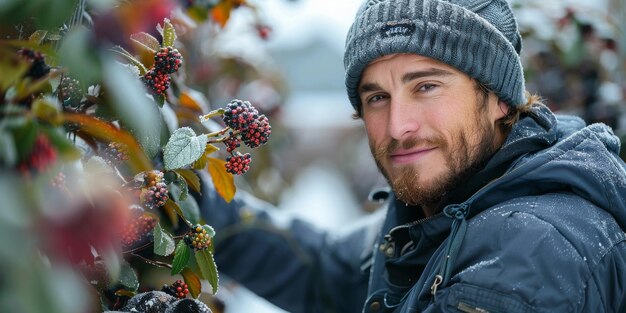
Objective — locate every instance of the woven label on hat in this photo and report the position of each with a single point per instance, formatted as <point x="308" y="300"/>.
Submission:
<point x="397" y="28"/>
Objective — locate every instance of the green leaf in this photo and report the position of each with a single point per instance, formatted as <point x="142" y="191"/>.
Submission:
<point x="169" y="34"/>
<point x="38" y="36"/>
<point x="181" y="257"/>
<point x="135" y="111"/>
<point x="193" y="282"/>
<point x="201" y="162"/>
<point x="190" y="177"/>
<point x="178" y="189"/>
<point x="121" y="51"/>
<point x="25" y="138"/>
<point x="128" y="277"/>
<point x="160" y="100"/>
<point x="183" y="148"/>
<point x="223" y="181"/>
<point x="147" y="41"/>
<point x="163" y="242"/>
<point x="205" y="261"/>
<point x="209" y="230"/>
<point x="67" y="150"/>
<point x="47" y="109"/>
<point x="190" y="209"/>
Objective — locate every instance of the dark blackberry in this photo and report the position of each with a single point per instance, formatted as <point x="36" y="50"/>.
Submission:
<point x="167" y="60"/>
<point x="138" y="229"/>
<point x="70" y="93"/>
<point x="116" y="153"/>
<point x="238" y="164"/>
<point x="257" y="133"/>
<point x="239" y="114"/>
<point x="38" y="67"/>
<point x="40" y="158"/>
<point x="156" y="82"/>
<point x="154" y="192"/>
<point x="178" y="289"/>
<point x="232" y="143"/>
<point x="197" y="238"/>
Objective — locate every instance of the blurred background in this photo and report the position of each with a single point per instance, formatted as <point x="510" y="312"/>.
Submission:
<point x="285" y="56"/>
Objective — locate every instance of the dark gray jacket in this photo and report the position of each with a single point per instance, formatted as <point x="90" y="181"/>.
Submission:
<point x="539" y="229"/>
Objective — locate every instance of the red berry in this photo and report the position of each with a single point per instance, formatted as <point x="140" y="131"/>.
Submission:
<point x="167" y="60"/>
<point x="239" y="114"/>
<point x="41" y="157"/>
<point x="154" y="194"/>
<point x="257" y="133"/>
<point x="156" y="82"/>
<point x="238" y="163"/>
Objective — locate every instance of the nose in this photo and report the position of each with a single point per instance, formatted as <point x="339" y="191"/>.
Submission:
<point x="403" y="118"/>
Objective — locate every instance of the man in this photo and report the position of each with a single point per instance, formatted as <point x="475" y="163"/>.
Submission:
<point x="498" y="205"/>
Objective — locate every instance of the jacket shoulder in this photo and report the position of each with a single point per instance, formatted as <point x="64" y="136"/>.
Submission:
<point x="548" y="251"/>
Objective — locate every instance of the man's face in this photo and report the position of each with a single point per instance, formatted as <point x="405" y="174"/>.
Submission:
<point x="428" y="126"/>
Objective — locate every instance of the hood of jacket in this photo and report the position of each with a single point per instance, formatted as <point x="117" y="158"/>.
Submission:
<point x="579" y="159"/>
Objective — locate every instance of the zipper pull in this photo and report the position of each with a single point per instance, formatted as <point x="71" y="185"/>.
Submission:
<point x="436" y="283"/>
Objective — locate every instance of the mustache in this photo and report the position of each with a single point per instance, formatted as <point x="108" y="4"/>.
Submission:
<point x="383" y="150"/>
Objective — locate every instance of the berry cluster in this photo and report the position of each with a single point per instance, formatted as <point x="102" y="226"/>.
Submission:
<point x="40" y="158"/>
<point x="116" y="153"/>
<point x="154" y="193"/>
<point x="232" y="143"/>
<point x="167" y="60"/>
<point x="178" y="289"/>
<point x="38" y="67"/>
<point x="70" y="93"/>
<point x="238" y="163"/>
<point x="157" y="82"/>
<point x="257" y="133"/>
<point x="138" y="228"/>
<point x="197" y="238"/>
<point x="239" y="114"/>
<point x="247" y="126"/>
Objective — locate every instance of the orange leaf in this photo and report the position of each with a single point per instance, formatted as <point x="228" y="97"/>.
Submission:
<point x="187" y="101"/>
<point x="193" y="282"/>
<point x="224" y="182"/>
<point x="221" y="12"/>
<point x="105" y="131"/>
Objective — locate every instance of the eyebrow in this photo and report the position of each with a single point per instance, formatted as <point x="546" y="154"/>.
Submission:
<point x="367" y="87"/>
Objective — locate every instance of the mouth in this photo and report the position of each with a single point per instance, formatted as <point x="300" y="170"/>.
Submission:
<point x="409" y="156"/>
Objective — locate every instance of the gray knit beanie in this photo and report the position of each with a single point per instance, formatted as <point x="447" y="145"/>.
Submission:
<point x="477" y="37"/>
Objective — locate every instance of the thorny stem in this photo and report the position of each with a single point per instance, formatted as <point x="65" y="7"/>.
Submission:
<point x="152" y="262"/>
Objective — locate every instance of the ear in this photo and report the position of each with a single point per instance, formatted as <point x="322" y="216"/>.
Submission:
<point x="501" y="111"/>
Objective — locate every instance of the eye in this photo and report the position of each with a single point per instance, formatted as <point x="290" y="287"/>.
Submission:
<point x="375" y="98"/>
<point x="426" y="87"/>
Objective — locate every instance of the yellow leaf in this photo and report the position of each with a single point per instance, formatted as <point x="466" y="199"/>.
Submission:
<point x="224" y="182"/>
<point x="190" y="177"/>
<point x="202" y="161"/>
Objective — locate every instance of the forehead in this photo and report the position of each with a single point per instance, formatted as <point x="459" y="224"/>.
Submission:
<point x="407" y="59"/>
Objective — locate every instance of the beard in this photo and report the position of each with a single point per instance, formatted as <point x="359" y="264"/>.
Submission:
<point x="462" y="160"/>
